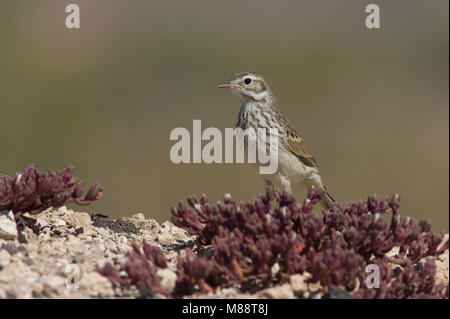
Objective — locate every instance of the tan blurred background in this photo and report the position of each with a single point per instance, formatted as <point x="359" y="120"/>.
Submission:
<point x="372" y="104"/>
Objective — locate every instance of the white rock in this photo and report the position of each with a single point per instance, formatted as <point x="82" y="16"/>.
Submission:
<point x="100" y="263"/>
<point x="101" y="247"/>
<point x="8" y="227"/>
<point x="96" y="284"/>
<point x="5" y="258"/>
<point x="103" y="232"/>
<point x="298" y="283"/>
<point x="20" y="289"/>
<point x="275" y="269"/>
<point x="138" y="216"/>
<point x="60" y="223"/>
<point x="54" y="282"/>
<point x="75" y="245"/>
<point x="167" y="278"/>
<point x="78" y="219"/>
<point x="111" y="247"/>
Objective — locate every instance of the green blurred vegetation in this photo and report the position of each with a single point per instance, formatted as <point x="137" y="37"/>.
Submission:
<point x="372" y="104"/>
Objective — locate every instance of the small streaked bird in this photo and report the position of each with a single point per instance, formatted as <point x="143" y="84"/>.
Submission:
<point x="259" y="109"/>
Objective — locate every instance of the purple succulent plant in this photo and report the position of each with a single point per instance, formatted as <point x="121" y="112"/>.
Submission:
<point x="250" y="238"/>
<point x="140" y="268"/>
<point x="32" y="191"/>
<point x="271" y="237"/>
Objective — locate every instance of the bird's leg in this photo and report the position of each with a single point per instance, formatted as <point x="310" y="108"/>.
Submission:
<point x="314" y="180"/>
<point x="327" y="200"/>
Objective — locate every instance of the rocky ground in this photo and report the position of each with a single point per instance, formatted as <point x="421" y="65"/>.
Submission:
<point x="43" y="261"/>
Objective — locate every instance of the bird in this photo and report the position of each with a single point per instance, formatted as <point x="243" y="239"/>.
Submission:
<point x="259" y="109"/>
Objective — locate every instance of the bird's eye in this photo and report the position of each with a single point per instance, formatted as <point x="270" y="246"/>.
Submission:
<point x="247" y="80"/>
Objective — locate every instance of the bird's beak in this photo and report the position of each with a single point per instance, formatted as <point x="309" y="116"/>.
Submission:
<point x="229" y="86"/>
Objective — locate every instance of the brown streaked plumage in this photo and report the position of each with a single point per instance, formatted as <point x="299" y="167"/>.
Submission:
<point x="259" y="109"/>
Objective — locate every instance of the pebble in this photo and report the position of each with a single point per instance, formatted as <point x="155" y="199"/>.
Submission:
<point x="54" y="281"/>
<point x="298" y="284"/>
<point x="8" y="227"/>
<point x="78" y="219"/>
<point x="60" y="223"/>
<point x="22" y="238"/>
<point x="167" y="278"/>
<point x="2" y="294"/>
<point x="96" y="285"/>
<point x="11" y="249"/>
<point x="78" y="259"/>
<point x="5" y="259"/>
<point x="79" y="230"/>
<point x="138" y="216"/>
<point x="28" y="261"/>
<point x="111" y="246"/>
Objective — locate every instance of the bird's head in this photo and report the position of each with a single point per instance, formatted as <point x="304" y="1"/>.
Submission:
<point x="247" y="86"/>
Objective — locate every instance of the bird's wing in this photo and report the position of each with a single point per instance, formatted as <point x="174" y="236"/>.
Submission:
<point x="297" y="146"/>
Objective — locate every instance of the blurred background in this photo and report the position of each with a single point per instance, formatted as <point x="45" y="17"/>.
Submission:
<point x="372" y="104"/>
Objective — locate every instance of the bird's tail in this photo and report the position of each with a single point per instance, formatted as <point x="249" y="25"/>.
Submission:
<point x="327" y="200"/>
